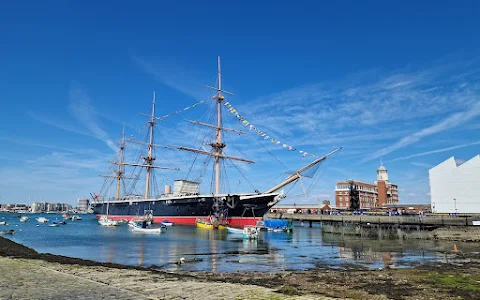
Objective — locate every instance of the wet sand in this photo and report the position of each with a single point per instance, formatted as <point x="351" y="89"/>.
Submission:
<point x="26" y="274"/>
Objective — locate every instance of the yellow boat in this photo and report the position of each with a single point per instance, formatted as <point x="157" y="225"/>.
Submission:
<point x="208" y="225"/>
<point x="204" y="224"/>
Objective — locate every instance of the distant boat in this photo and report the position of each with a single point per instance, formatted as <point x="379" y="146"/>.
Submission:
<point x="155" y="230"/>
<point x="42" y="220"/>
<point x="278" y="225"/>
<point x="250" y="232"/>
<point x="105" y="221"/>
<point x="205" y="224"/>
<point x="233" y="230"/>
<point x="3" y="223"/>
<point x="76" y="218"/>
<point x="143" y="227"/>
<point x="54" y="225"/>
<point x="11" y="231"/>
<point x="167" y="223"/>
<point x="24" y="219"/>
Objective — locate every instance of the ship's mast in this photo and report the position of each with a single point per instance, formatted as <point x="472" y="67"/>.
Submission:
<point x="149" y="159"/>
<point x="219" y="144"/>
<point x="120" y="165"/>
<point x="218" y="141"/>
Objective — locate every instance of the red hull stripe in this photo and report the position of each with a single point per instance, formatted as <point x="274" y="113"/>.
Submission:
<point x="179" y="220"/>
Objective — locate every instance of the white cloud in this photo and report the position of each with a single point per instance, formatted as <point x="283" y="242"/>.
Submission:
<point x="421" y="164"/>
<point x="172" y="74"/>
<point x="85" y="113"/>
<point x="435" y="151"/>
<point x="450" y="122"/>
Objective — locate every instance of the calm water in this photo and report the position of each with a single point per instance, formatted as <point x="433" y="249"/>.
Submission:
<point x="218" y="251"/>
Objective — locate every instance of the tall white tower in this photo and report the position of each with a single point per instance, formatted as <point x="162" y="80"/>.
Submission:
<point x="382" y="173"/>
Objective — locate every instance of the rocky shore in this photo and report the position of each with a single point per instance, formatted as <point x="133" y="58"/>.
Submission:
<point x="26" y="274"/>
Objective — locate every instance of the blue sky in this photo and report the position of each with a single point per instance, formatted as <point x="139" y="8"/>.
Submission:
<point x="391" y="80"/>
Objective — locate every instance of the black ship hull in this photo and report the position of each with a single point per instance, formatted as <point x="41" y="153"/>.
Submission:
<point x="185" y="210"/>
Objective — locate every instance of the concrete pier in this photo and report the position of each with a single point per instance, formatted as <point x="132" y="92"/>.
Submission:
<point x="423" y="221"/>
<point x="393" y="227"/>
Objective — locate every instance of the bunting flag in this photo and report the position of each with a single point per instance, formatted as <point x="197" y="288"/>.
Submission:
<point x="179" y="111"/>
<point x="262" y="134"/>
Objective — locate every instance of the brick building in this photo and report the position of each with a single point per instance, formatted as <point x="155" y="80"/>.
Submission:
<point x="355" y="194"/>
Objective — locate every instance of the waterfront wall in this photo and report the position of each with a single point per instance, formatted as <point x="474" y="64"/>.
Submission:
<point x="425" y="221"/>
<point x="454" y="233"/>
<point x="394" y="227"/>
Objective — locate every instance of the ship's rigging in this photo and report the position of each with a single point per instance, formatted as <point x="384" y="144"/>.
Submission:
<point x="217" y="155"/>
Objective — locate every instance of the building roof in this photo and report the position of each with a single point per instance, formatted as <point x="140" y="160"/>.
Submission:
<point x="354" y="181"/>
<point x="381" y="168"/>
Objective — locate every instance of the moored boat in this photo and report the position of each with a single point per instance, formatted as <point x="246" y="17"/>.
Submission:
<point x="279" y="225"/>
<point x="42" y="220"/>
<point x="143" y="226"/>
<point x="167" y="223"/>
<point x="250" y="232"/>
<point x="234" y="230"/>
<point x="205" y="224"/>
<point x="153" y="230"/>
<point x="24" y="219"/>
<point x="105" y="221"/>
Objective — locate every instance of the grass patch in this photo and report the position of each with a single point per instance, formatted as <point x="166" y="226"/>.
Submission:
<point x="464" y="282"/>
<point x="288" y="290"/>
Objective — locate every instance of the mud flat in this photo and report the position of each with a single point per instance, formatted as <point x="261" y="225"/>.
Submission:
<point x="26" y="274"/>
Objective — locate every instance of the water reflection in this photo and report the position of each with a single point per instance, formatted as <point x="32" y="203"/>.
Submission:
<point x="219" y="251"/>
<point x="110" y="253"/>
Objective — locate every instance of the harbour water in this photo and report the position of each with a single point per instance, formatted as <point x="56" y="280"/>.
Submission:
<point x="219" y="251"/>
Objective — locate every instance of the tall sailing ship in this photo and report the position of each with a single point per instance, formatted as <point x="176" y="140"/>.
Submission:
<point x="185" y="205"/>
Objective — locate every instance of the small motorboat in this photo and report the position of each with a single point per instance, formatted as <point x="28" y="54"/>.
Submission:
<point x="105" y="221"/>
<point x="250" y="232"/>
<point x="24" y="219"/>
<point x="3" y="223"/>
<point x="203" y="224"/>
<point x="54" y="225"/>
<point x="234" y="230"/>
<point x="207" y="224"/>
<point x="167" y="223"/>
<point x="76" y="218"/>
<point x="42" y="220"/>
<point x="59" y="222"/>
<point x="11" y="231"/>
<point x="155" y="230"/>
<point x="143" y="227"/>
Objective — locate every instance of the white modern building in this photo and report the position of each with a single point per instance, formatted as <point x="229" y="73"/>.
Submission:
<point x="455" y="188"/>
